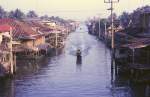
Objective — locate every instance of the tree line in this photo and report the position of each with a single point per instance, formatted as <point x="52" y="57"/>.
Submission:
<point x="16" y="14"/>
<point x="19" y="15"/>
<point x="134" y="19"/>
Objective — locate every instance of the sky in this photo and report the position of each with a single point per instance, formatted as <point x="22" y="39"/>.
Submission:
<point x="72" y="9"/>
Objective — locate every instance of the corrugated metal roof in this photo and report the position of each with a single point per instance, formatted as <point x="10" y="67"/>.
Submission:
<point x="138" y="43"/>
<point x="4" y="28"/>
<point x="20" y="28"/>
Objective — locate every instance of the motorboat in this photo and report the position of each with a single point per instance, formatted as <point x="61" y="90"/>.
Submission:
<point x="79" y="56"/>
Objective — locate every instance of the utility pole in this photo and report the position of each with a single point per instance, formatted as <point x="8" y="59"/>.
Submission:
<point x="112" y="24"/>
<point x="144" y="16"/>
<point x="112" y="30"/>
<point x="56" y="39"/>
<point x="105" y="34"/>
<point x="93" y="26"/>
<point x="99" y="33"/>
<point x="112" y="39"/>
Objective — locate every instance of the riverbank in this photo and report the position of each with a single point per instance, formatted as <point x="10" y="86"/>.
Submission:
<point x="132" y="51"/>
<point x="30" y="39"/>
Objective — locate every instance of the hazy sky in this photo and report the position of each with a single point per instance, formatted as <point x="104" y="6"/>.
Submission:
<point x="76" y="9"/>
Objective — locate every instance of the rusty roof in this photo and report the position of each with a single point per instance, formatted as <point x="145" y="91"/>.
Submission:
<point x="37" y="24"/>
<point x="20" y="28"/>
<point x="4" y="28"/>
<point x="138" y="43"/>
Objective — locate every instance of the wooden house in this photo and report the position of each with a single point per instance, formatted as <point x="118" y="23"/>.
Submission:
<point x="28" y="38"/>
<point x="54" y="34"/>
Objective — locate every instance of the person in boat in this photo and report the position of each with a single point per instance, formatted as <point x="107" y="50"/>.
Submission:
<point x="78" y="53"/>
<point x="79" y="57"/>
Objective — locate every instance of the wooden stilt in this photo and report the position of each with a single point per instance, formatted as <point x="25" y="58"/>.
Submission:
<point x="133" y="55"/>
<point x="147" y="93"/>
<point x="15" y="66"/>
<point x="11" y="53"/>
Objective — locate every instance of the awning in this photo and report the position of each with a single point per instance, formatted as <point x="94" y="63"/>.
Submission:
<point x="135" y="45"/>
<point x="140" y="66"/>
<point x="138" y="43"/>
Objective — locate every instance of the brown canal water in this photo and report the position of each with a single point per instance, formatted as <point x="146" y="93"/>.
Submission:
<point x="60" y="76"/>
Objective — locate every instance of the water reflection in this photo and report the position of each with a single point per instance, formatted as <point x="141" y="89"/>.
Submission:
<point x="123" y="85"/>
<point x="61" y="76"/>
<point x="7" y="88"/>
<point x="79" y="67"/>
<point x="29" y="67"/>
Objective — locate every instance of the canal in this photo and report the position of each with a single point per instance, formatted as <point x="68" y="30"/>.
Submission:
<point x="60" y="76"/>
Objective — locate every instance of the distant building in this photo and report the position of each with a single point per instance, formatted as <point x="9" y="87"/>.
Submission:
<point x="49" y="23"/>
